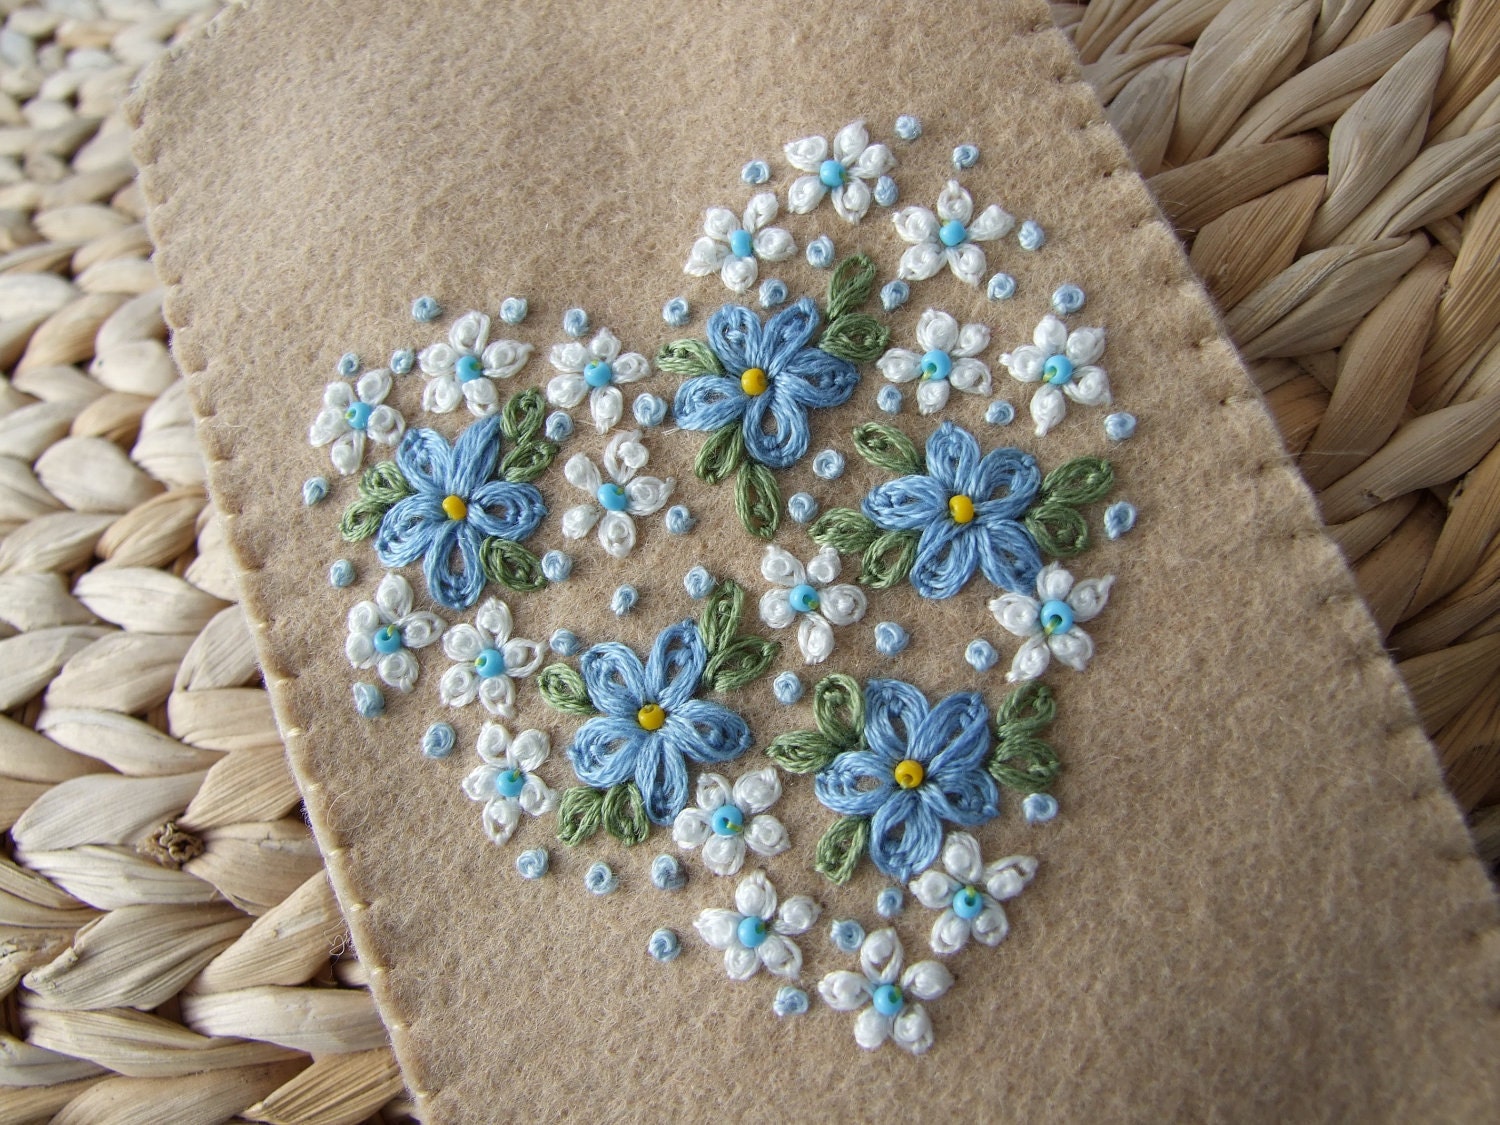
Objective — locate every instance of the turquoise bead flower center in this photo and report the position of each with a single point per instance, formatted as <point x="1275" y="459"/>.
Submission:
<point x="612" y="498"/>
<point x="804" y="598"/>
<point x="1058" y="369"/>
<point x="952" y="233"/>
<point x="752" y="932"/>
<point x="1057" y="617"/>
<point x="468" y="368"/>
<point x="967" y="903"/>
<point x="831" y="173"/>
<point x="388" y="640"/>
<point x="489" y="663"/>
<point x="728" y="820"/>
<point x="358" y="415"/>
<point x="740" y="244"/>
<point x="598" y="374"/>
<point x="509" y="783"/>
<point x="888" y="999"/>
<point x="936" y="365"/>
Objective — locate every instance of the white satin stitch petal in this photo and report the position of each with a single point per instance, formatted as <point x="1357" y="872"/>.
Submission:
<point x="339" y="426"/>
<point x="1022" y="616"/>
<point x="372" y="623"/>
<point x="1077" y="353"/>
<point x="624" y="456"/>
<point x="805" y="594"/>
<point x="861" y="162"/>
<point x="504" y="658"/>
<point x="499" y="756"/>
<point x="881" y="959"/>
<point x="717" y="251"/>
<point x="755" y="901"/>
<point x="927" y="253"/>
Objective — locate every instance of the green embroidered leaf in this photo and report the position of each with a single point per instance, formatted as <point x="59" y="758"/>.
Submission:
<point x="848" y="532"/>
<point x="839" y="709"/>
<point x="723" y="610"/>
<point x="1028" y="710"/>
<point x="523" y="416"/>
<point x="688" y="358"/>
<point x="527" y="460"/>
<point x="801" y="751"/>
<point x="579" y="814"/>
<point x="362" y="519"/>
<point x="624" y="814"/>
<point x="739" y="662"/>
<point x="1079" y="481"/>
<point x="510" y="564"/>
<point x="1026" y="764"/>
<point x="384" y="484"/>
<point x="1059" y="529"/>
<point x="757" y="499"/>
<point x="564" y="690"/>
<point x="888" y="448"/>
<point x="889" y="559"/>
<point x="841" y="846"/>
<point x="721" y="454"/>
<point x="851" y="285"/>
<point x="855" y="337"/>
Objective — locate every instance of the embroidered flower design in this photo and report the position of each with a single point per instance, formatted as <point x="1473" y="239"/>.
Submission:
<point x="464" y="369"/>
<point x="756" y="933"/>
<point x="506" y="779"/>
<point x="614" y="503"/>
<point x="1050" y="621"/>
<point x="650" y="724"/>
<point x="383" y="632"/>
<point x="598" y="370"/>
<point x="489" y="661"/>
<point x="893" y="997"/>
<point x="352" y="413"/>
<point x="950" y="237"/>
<point x="841" y="174"/>
<point x="968" y="508"/>
<point x="947" y="360"/>
<point x="727" y="821"/>
<point x="771" y="377"/>
<point x="810" y="597"/>
<point x="919" y="768"/>
<point x="1064" y="363"/>
<point x="729" y="247"/>
<point x="453" y="507"/>
<point x="970" y="894"/>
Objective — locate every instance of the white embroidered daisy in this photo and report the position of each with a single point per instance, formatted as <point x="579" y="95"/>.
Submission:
<point x="730" y="247"/>
<point x="727" y="821"/>
<point x="841" y="174"/>
<point x="506" y="779"/>
<point x="756" y="933"/>
<point x="383" y="633"/>
<point x="1050" y="621"/>
<point x="810" y="596"/>
<point x="464" y="369"/>
<point x="489" y="659"/>
<point x="970" y="894"/>
<point x="597" y="369"/>
<point x="947" y="360"/>
<point x="352" y="412"/>
<point x="615" y="503"/>
<point x="950" y="237"/>
<point x="892" y="995"/>
<point x="1064" y="363"/>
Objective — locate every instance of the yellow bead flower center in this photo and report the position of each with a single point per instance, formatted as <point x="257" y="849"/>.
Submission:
<point x="651" y="717"/>
<point x="455" y="508"/>
<point x="754" y="381"/>
<point x="961" y="508"/>
<point x="908" y="774"/>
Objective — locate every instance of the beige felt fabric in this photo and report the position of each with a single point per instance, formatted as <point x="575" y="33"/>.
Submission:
<point x="1258" y="903"/>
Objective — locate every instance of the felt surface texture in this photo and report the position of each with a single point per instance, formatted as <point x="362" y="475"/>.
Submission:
<point x="1258" y="902"/>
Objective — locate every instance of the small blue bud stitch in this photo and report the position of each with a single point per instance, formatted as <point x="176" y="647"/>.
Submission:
<point x="425" y="309"/>
<point x="556" y="566"/>
<point x="1031" y="236"/>
<point x="888" y="398"/>
<point x="787" y="687"/>
<point x="1039" y="808"/>
<point x="559" y="426"/>
<point x="624" y="600"/>
<point x="575" y="322"/>
<point x="1000" y="413"/>
<point x="886" y="191"/>
<point x="532" y="863"/>
<point x="965" y="157"/>
<point x="676" y="312"/>
<point x="802" y="507"/>
<point x="698" y="583"/>
<point x="667" y="874"/>
<point x="369" y="701"/>
<point x="981" y="655"/>
<point x="1067" y="299"/>
<point x="341" y="574"/>
<point x="314" y="490"/>
<point x="790" y="1001"/>
<point x="513" y="310"/>
<point x="755" y="172"/>
<point x="772" y="293"/>
<point x="1119" y="427"/>
<point x="600" y="879"/>
<point x="846" y="934"/>
<point x="679" y="520"/>
<point x="1119" y="518"/>
<point x="908" y="128"/>
<point x="348" y="365"/>
<point x="402" y="360"/>
<point x="663" y="945"/>
<point x="820" y="252"/>
<point x="894" y="294"/>
<point x="828" y="465"/>
<point x="889" y="901"/>
<point x="438" y="740"/>
<point x="565" y="642"/>
<point x="890" y="638"/>
<point x="649" y="410"/>
<point x="1002" y="287"/>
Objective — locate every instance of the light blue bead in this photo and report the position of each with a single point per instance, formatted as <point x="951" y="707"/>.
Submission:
<point x="564" y="642"/>
<point x="348" y="365"/>
<point x="831" y="174"/>
<point x="612" y="497"/>
<point x="598" y="374"/>
<point x="981" y="655"/>
<point x="663" y="945"/>
<point x="820" y="252"/>
<point x="1056" y="617"/>
<point x="388" y="640"/>
<point x="886" y="191"/>
<point x="624" y="600"/>
<point x="402" y="360"/>
<point x="889" y="901"/>
<point x="1000" y="413"/>
<point x="846" y="934"/>
<point x="967" y="903"/>
<point x="1119" y="427"/>
<point x="965" y="156"/>
<point x="1067" y="299"/>
<point x="952" y="233"/>
<point x="888" y="398"/>
<point x="1058" y="369"/>
<point x="532" y="863"/>
<point x="676" y="312"/>
<point x="575" y="322"/>
<point x="358" y="415"/>
<point x="1002" y="287"/>
<point x="649" y="409"/>
<point x="828" y="465"/>
<point x="756" y="172"/>
<point x="890" y="638"/>
<point x="698" y="582"/>
<point x="513" y="310"/>
<point x="679" y="520"/>
<point x="772" y="293"/>
<point x="468" y="368"/>
<point x="559" y="426"/>
<point x="741" y="245"/>
<point x="489" y="663"/>
<point x="908" y="128"/>
<point x="314" y="490"/>
<point x="802" y="507"/>
<point x="936" y="365"/>
<point x="509" y="783"/>
<point x="1031" y="236"/>
<point x="556" y="566"/>
<point x="369" y="701"/>
<point x="788" y="688"/>
<point x="1119" y="518"/>
<point x="1039" y="808"/>
<point x="790" y="1001"/>
<point x="804" y="598"/>
<point x="894" y="294"/>
<point x="425" y="309"/>
<point x="600" y="879"/>
<point x="888" y="999"/>
<point x="727" y="820"/>
<point x="341" y="574"/>
<point x="667" y="874"/>
<point x="752" y="932"/>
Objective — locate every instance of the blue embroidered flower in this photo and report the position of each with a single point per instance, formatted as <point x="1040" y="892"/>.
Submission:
<point x="455" y="505"/>
<point x="772" y="378"/>
<point x="650" y="725"/>
<point x="919" y="768"/>
<point x="968" y="509"/>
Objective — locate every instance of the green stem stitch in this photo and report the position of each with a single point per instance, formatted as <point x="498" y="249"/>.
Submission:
<point x="851" y="285"/>
<point x="802" y="751"/>
<point x="723" y="611"/>
<point x="564" y="690"/>
<point x="841" y="846"/>
<point x="624" y="814"/>
<point x="1054" y="520"/>
<point x="580" y="812"/>
<point x="888" y="448"/>
<point x="852" y="335"/>
<point x="1021" y="760"/>
<point x="381" y="487"/>
<point x="688" y="358"/>
<point x="839" y="710"/>
<point x="721" y="454"/>
<point x="507" y="562"/>
<point x="889" y="559"/>
<point x="757" y="499"/>
<point x="734" y="658"/>
<point x="524" y="414"/>
<point x="845" y="530"/>
<point x="526" y="460"/>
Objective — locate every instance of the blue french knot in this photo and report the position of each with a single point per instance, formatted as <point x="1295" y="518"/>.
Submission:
<point x="556" y="566"/>
<point x="667" y="874"/>
<point x="1119" y="427"/>
<point x="1000" y="413"/>
<point x="981" y="655"/>
<point x="894" y="294"/>
<point x="908" y="128"/>
<point x="698" y="582"/>
<point x="575" y="322"/>
<point x="1039" y="808"/>
<point x="676" y="312"/>
<point x="1119" y="518"/>
<point x="438" y="740"/>
<point x="1031" y="236"/>
<point x="559" y="426"/>
<point x="600" y="880"/>
<point x="886" y="192"/>
<point x="888" y="398"/>
<point x="802" y="507"/>
<point x="889" y="901"/>
<point x="348" y="365"/>
<point x="679" y="520"/>
<point x="890" y="638"/>
<point x="1067" y="299"/>
<point x="828" y="465"/>
<point x="787" y="688"/>
<point x="1002" y="287"/>
<point x="663" y="945"/>
<point x="341" y="574"/>
<point x="624" y="600"/>
<point x="314" y="490"/>
<point x="756" y="172"/>
<point x="532" y="863"/>
<point x="965" y="156"/>
<point x="820" y="252"/>
<point x="772" y="293"/>
<point x="402" y="360"/>
<point x="789" y="1001"/>
<point x="425" y="309"/>
<point x="513" y="310"/>
<point x="369" y="701"/>
<point x="846" y="934"/>
<point x="649" y="409"/>
<point x="564" y="642"/>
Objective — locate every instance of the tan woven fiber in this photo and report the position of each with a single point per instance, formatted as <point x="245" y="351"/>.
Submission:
<point x="169" y="947"/>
